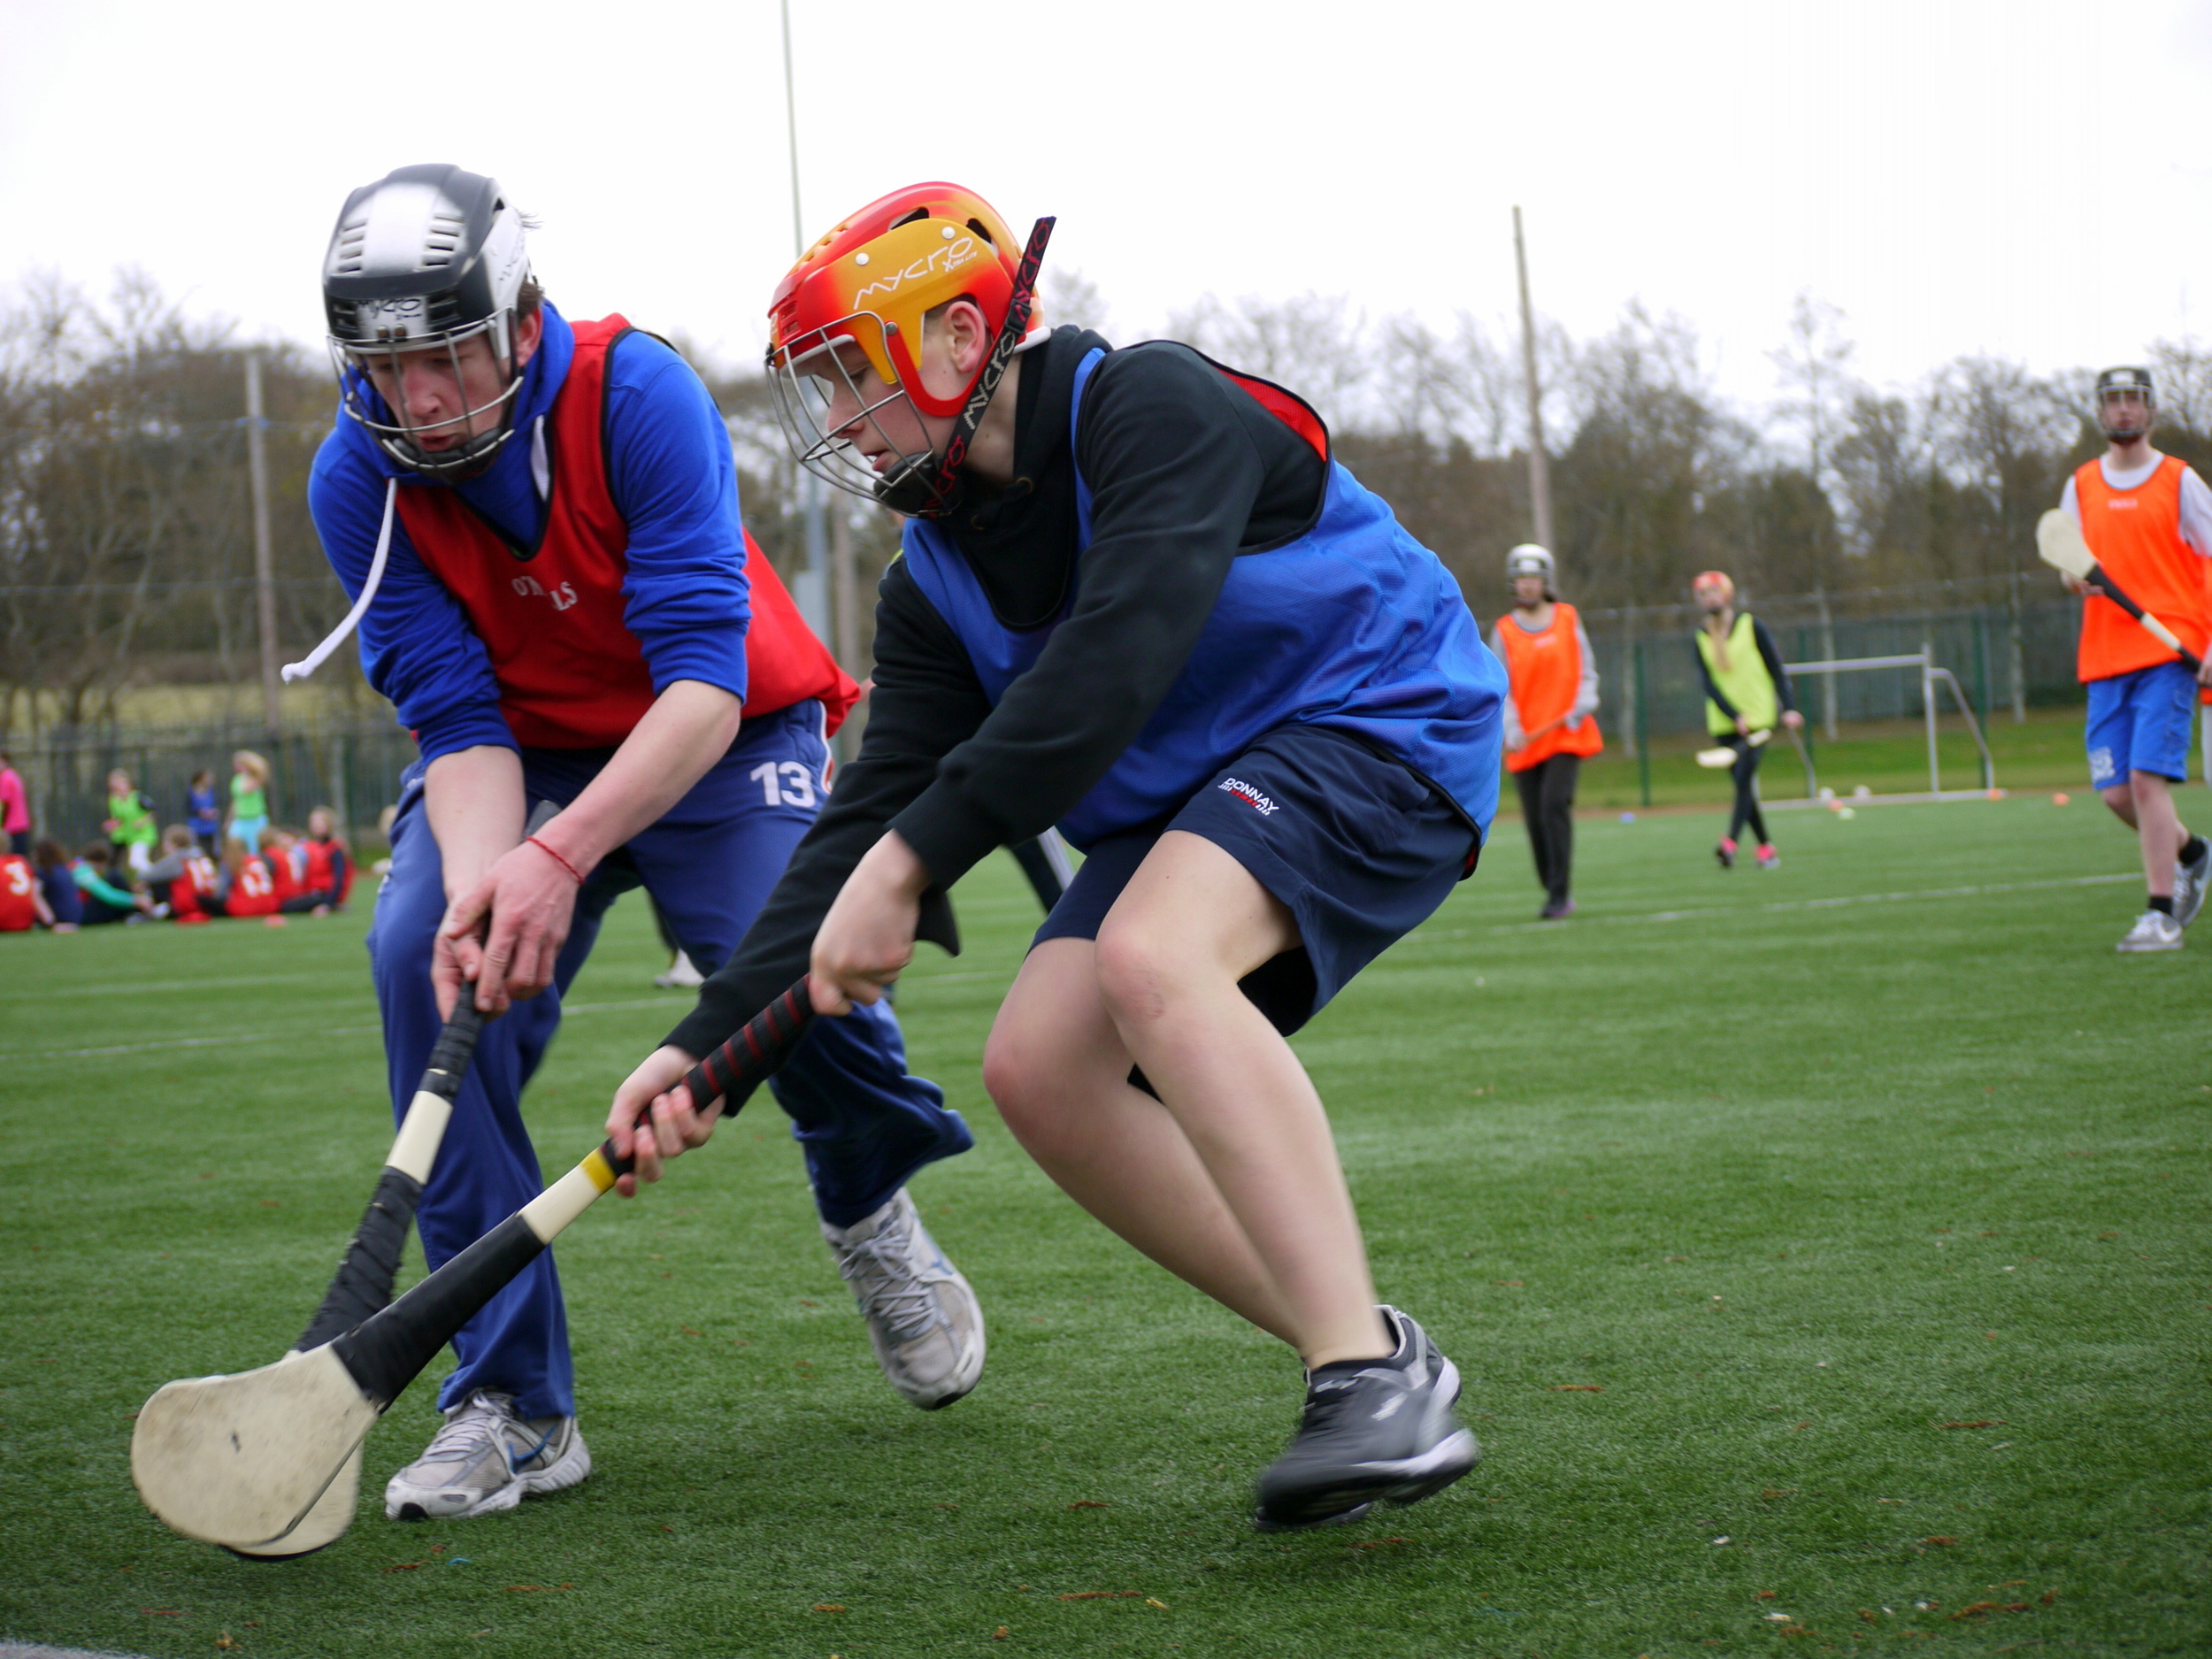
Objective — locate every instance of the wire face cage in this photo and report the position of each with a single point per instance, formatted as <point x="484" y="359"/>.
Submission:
<point x="819" y="386"/>
<point x="373" y="386"/>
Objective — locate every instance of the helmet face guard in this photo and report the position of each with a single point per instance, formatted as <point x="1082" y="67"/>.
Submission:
<point x="817" y="371"/>
<point x="421" y="264"/>
<point x="2112" y="384"/>
<point x="397" y="432"/>
<point x="1528" y="559"/>
<point x="847" y="330"/>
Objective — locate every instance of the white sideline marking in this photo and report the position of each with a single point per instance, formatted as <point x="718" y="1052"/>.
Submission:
<point x="283" y="1036"/>
<point x="1793" y="904"/>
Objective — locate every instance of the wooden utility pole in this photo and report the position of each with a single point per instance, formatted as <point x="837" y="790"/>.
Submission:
<point x="264" y="558"/>
<point x="1539" y="466"/>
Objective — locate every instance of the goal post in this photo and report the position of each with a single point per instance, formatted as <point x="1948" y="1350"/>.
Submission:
<point x="1922" y="661"/>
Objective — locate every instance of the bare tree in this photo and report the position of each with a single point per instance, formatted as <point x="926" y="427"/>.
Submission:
<point x="1816" y="369"/>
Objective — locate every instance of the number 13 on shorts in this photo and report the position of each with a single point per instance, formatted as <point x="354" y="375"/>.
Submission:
<point x="784" y="783"/>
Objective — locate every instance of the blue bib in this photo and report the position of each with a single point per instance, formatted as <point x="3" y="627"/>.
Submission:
<point x="1355" y="626"/>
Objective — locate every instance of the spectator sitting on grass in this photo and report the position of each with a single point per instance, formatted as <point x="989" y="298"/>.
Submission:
<point x="327" y="875"/>
<point x="279" y="852"/>
<point x="180" y="874"/>
<point x="249" y="796"/>
<point x="22" y="907"/>
<point x="130" y="825"/>
<point x="248" y="886"/>
<point x="104" y="902"/>
<point x="58" y="884"/>
<point x="203" y="811"/>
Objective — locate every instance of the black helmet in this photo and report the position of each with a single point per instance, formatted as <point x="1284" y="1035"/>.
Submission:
<point x="2125" y="379"/>
<point x="422" y="260"/>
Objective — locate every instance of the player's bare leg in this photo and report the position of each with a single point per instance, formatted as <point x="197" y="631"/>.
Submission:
<point x="1190" y="925"/>
<point x="2146" y="806"/>
<point x="1059" y="1073"/>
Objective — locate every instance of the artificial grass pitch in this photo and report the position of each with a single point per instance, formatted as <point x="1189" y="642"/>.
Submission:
<point x="1825" y="1250"/>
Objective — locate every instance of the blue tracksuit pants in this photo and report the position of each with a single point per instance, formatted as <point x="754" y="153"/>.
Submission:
<point x="864" y="1124"/>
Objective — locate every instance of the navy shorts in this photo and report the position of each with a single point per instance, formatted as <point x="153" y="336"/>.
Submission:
<point x="1360" y="850"/>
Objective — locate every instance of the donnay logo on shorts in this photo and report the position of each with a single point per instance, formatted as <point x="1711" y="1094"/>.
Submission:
<point x="1250" y="796"/>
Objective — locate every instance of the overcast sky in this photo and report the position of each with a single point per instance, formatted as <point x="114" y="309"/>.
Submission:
<point x="2026" y="177"/>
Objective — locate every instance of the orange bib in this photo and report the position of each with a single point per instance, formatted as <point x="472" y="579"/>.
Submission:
<point x="1544" y="670"/>
<point x="2136" y="536"/>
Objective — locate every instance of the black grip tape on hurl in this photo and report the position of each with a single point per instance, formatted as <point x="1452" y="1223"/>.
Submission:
<point x="363" y="1285"/>
<point x="386" y="1352"/>
<point x="741" y="1065"/>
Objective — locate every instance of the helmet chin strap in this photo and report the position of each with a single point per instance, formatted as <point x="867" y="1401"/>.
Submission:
<point x="926" y="486"/>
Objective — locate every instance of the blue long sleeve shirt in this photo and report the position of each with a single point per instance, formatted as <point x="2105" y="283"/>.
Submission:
<point x="673" y="479"/>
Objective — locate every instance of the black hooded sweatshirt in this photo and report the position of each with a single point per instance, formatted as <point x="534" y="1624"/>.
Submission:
<point x="1186" y="472"/>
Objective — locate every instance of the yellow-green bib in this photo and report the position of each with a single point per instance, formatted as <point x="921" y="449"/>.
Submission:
<point x="1745" y="682"/>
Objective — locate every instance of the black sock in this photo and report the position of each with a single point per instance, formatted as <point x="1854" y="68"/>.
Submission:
<point x="2162" y="902"/>
<point x="1345" y="1367"/>
<point x="2192" y="850"/>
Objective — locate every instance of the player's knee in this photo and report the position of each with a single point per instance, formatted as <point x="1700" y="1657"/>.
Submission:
<point x="1138" y="971"/>
<point x="1020" y="1070"/>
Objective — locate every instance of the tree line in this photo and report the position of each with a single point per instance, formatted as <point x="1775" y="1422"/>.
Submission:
<point x="127" y="558"/>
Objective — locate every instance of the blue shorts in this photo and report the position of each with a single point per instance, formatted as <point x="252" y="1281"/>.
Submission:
<point x="2140" y="722"/>
<point x="1359" y="848"/>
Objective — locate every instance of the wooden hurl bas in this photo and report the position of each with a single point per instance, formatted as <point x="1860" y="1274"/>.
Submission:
<point x="171" y="1429"/>
<point x="250" y="1457"/>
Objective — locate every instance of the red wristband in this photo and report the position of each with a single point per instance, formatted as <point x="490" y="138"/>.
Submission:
<point x="557" y="859"/>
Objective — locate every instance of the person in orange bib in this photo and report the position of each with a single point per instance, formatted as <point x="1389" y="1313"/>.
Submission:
<point x="2148" y="519"/>
<point x="1550" y="722"/>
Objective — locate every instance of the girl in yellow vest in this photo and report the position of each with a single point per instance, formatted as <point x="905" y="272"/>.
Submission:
<point x="2148" y="519"/>
<point x="1548" y="716"/>
<point x="1745" y="691"/>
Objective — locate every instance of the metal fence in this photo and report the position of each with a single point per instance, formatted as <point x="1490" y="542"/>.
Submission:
<point x="354" y="769"/>
<point x="1650" y="679"/>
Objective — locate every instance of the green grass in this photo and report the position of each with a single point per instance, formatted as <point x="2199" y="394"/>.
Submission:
<point x="1795" y="1180"/>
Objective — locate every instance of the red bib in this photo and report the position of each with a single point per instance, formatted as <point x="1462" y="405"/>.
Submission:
<point x="571" y="674"/>
<point x="19" y="893"/>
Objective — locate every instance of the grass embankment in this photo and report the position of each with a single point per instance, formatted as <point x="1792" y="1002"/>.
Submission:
<point x="1826" y="1263"/>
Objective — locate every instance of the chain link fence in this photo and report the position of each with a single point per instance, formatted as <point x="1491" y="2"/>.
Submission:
<point x="352" y="769"/>
<point x="1648" y="665"/>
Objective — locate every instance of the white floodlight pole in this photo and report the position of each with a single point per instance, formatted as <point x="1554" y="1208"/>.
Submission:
<point x="810" y="588"/>
<point x="1538" y="464"/>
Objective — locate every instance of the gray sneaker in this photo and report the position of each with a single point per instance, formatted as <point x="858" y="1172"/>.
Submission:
<point x="924" y="1321"/>
<point x="2191" y="878"/>
<point x="1383" y="1431"/>
<point x="486" y="1459"/>
<point x="2154" y="930"/>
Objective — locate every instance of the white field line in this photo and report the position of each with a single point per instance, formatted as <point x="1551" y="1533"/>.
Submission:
<point x="951" y="978"/>
<point x="289" y="1036"/>
<point x="1788" y="904"/>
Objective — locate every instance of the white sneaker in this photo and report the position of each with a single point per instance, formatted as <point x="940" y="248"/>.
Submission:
<point x="486" y="1459"/>
<point x="2154" y="930"/>
<point x="923" y="1319"/>
<point x="2191" y="878"/>
<point x="681" y="976"/>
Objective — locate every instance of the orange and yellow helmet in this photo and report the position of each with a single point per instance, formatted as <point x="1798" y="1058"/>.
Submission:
<point x="871" y="280"/>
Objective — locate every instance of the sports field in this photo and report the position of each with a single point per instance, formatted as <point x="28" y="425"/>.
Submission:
<point x="1825" y="1250"/>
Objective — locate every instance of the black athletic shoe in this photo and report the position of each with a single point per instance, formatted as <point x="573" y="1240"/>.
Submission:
<point x="1385" y="1431"/>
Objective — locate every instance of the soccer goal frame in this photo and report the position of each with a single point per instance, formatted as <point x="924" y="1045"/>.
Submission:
<point x="1930" y="671"/>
